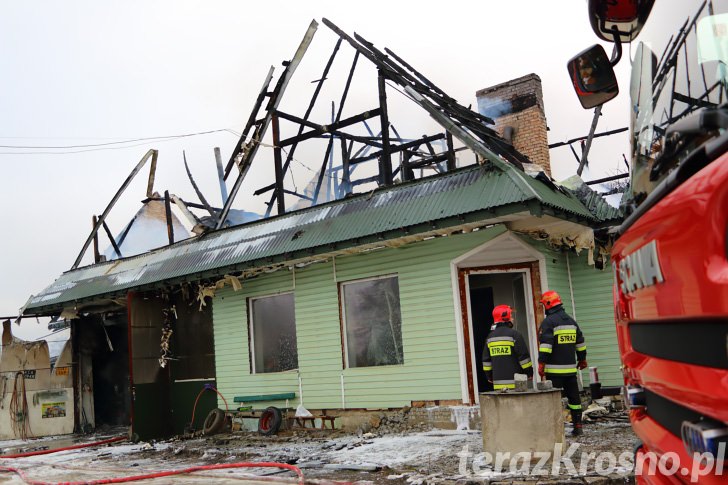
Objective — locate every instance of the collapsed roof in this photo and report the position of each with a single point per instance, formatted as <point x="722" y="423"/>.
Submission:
<point x="494" y="190"/>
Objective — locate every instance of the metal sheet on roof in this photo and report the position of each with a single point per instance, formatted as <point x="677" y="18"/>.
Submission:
<point x="431" y="199"/>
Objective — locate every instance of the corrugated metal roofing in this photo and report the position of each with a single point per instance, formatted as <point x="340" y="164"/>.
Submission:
<point x="592" y="200"/>
<point x="600" y="208"/>
<point x="460" y="192"/>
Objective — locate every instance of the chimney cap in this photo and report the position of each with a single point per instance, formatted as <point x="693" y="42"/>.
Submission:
<point x="512" y="82"/>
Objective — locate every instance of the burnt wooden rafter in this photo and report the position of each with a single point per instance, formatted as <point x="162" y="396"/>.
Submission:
<point x="250" y="148"/>
<point x="337" y="120"/>
<point x="334" y="128"/>
<point x="398" y="148"/>
<point x="240" y="146"/>
<point x="311" y="104"/>
<point x="205" y="204"/>
<point x="98" y="222"/>
<point x="458" y="116"/>
<point x="385" y="160"/>
<point x="111" y="238"/>
<point x="472" y="129"/>
<point x="278" y="161"/>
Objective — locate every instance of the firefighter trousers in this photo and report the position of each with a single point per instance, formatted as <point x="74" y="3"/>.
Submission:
<point x="570" y="389"/>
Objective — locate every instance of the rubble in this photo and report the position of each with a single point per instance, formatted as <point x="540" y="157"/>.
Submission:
<point x="392" y="453"/>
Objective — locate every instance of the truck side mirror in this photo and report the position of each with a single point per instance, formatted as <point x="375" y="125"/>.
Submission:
<point x="593" y="77"/>
<point x="622" y="19"/>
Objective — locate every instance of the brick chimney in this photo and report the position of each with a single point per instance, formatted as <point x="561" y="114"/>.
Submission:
<point x="516" y="106"/>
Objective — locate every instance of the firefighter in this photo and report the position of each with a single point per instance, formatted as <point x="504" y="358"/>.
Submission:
<point x="561" y="351"/>
<point x="505" y="352"/>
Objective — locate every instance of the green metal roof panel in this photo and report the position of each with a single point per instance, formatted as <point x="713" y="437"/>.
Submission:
<point x="562" y="201"/>
<point x="594" y="202"/>
<point x="344" y="221"/>
<point x="599" y="207"/>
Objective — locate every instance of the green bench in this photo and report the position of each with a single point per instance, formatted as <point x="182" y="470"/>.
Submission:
<point x="265" y="397"/>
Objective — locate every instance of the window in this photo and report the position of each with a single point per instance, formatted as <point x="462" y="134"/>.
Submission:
<point x="273" y="334"/>
<point x="372" y="322"/>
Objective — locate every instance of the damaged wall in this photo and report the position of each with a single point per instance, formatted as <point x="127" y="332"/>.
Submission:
<point x="431" y="355"/>
<point x="592" y="307"/>
<point x="163" y="396"/>
<point x="31" y="388"/>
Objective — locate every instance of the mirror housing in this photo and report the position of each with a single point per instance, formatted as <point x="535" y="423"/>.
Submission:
<point x="593" y="77"/>
<point x="624" y="18"/>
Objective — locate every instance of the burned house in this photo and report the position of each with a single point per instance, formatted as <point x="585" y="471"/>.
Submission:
<point x="373" y="290"/>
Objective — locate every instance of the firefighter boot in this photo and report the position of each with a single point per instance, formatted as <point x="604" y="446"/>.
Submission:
<point x="576" y="420"/>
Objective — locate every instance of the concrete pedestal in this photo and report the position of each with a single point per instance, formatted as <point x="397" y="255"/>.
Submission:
<point x="517" y="422"/>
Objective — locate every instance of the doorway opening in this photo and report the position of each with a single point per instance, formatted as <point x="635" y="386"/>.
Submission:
<point x="485" y="288"/>
<point x="104" y="395"/>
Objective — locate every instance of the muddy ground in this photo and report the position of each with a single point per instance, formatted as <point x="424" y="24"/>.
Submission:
<point x="427" y="456"/>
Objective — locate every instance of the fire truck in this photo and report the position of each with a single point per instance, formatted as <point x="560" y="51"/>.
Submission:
<point x="670" y="255"/>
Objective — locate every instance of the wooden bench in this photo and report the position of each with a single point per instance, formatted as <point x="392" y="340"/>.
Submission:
<point x="302" y="420"/>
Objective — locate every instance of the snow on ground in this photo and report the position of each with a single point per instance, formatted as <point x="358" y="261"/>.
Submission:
<point x="410" y="450"/>
<point x="412" y="457"/>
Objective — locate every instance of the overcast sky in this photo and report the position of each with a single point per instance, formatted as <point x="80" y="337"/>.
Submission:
<point x="79" y="73"/>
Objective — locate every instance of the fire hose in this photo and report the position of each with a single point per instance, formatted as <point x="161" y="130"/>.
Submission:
<point x="135" y="478"/>
<point x="73" y="447"/>
<point x="165" y="473"/>
<point x="206" y="387"/>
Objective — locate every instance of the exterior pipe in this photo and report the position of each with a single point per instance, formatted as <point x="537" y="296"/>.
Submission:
<point x="571" y="286"/>
<point x="343" y="395"/>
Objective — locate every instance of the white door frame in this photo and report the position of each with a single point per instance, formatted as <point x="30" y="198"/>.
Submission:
<point x="530" y="315"/>
<point x="460" y="263"/>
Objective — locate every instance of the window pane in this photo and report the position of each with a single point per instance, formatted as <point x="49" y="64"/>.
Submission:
<point x="274" y="333"/>
<point x="373" y="323"/>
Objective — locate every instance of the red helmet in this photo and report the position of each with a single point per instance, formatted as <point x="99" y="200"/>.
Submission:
<point x="550" y="299"/>
<point x="502" y="313"/>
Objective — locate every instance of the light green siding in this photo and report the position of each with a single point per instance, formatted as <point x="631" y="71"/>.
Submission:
<point x="595" y="314"/>
<point x="431" y="368"/>
<point x="592" y="290"/>
<point x="556" y="274"/>
<point x="431" y="364"/>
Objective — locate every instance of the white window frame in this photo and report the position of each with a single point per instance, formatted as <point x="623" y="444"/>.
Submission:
<point x="343" y="318"/>
<point x="251" y="331"/>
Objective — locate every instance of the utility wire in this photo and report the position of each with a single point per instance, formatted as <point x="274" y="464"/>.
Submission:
<point x="119" y="142"/>
<point x="68" y="149"/>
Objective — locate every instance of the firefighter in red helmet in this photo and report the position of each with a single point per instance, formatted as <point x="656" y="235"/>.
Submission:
<point x="561" y="351"/>
<point x="505" y="352"/>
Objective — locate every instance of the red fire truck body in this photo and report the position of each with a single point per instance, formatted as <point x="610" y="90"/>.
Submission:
<point x="670" y="256"/>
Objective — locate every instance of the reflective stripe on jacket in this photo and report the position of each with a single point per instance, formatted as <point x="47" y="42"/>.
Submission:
<point x="505" y="354"/>
<point x="561" y="342"/>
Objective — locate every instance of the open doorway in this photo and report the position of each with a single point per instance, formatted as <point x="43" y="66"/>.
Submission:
<point x="104" y="397"/>
<point x="486" y="288"/>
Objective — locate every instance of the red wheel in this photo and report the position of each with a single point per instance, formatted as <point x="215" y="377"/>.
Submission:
<point x="270" y="421"/>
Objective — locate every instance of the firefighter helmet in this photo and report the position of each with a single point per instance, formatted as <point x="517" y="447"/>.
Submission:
<point x="502" y="313"/>
<point x="550" y="299"/>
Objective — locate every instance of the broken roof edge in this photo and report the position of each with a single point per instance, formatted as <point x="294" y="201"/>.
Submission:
<point x="324" y="205"/>
<point x="594" y="201"/>
<point x="407" y="234"/>
<point x="508" y="169"/>
<point x="539" y="201"/>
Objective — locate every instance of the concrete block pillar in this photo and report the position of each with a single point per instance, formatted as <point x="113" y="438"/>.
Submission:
<point x="517" y="422"/>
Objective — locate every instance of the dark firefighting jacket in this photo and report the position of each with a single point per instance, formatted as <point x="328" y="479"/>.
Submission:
<point x="504" y="355"/>
<point x="561" y="343"/>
